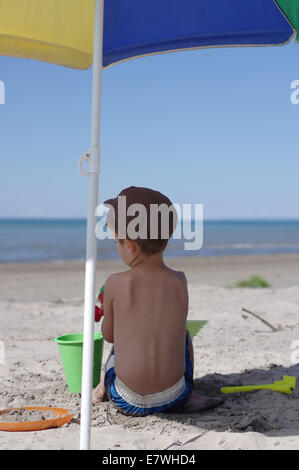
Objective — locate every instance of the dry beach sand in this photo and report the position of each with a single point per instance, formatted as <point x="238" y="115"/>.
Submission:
<point x="20" y="415"/>
<point x="41" y="301"/>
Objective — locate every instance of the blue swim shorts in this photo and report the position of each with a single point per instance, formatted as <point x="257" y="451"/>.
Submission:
<point x="134" y="404"/>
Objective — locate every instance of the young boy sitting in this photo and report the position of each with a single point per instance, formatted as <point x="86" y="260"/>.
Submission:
<point x="150" y="367"/>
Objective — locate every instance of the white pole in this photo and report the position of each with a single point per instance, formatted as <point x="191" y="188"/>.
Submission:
<point x="91" y="241"/>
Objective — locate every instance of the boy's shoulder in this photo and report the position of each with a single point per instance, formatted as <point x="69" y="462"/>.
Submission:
<point x="180" y="275"/>
<point x="118" y="281"/>
<point x="115" y="280"/>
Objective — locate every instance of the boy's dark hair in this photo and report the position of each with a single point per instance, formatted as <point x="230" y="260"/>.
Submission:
<point x="157" y="223"/>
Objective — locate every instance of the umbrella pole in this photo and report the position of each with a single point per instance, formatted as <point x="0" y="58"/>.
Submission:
<point x="93" y="158"/>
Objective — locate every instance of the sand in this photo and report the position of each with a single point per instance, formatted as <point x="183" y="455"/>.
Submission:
<point x="21" y="415"/>
<point x="41" y="301"/>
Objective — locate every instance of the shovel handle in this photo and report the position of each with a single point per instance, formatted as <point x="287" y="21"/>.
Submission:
<point x="244" y="388"/>
<point x="250" y="388"/>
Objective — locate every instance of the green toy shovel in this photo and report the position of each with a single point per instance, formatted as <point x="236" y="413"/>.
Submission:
<point x="286" y="385"/>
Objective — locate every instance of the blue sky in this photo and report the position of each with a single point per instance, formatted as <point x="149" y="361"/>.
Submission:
<point x="210" y="126"/>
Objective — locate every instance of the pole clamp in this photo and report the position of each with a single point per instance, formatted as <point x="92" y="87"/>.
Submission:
<point x="92" y="157"/>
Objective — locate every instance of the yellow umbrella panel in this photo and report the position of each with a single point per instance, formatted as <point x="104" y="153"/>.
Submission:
<point x="35" y="29"/>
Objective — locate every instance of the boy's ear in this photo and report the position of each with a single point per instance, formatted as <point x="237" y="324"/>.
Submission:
<point x="131" y="244"/>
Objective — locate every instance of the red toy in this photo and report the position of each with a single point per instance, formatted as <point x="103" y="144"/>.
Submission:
<point x="99" y="311"/>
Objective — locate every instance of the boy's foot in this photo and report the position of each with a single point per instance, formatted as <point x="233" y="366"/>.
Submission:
<point x="198" y="402"/>
<point x="99" y="394"/>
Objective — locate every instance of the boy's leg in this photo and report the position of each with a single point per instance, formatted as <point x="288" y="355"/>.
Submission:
<point x="99" y="393"/>
<point x="190" y="349"/>
<point x="197" y="402"/>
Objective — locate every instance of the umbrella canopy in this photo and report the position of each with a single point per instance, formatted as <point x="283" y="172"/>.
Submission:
<point x="77" y="33"/>
<point x="136" y="28"/>
<point x="61" y="31"/>
<point x="56" y="31"/>
<point x="291" y="10"/>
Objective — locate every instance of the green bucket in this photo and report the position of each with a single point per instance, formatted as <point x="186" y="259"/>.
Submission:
<point x="71" y="352"/>
<point x="194" y="326"/>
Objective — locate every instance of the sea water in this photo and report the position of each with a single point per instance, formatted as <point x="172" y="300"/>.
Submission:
<point x="35" y="240"/>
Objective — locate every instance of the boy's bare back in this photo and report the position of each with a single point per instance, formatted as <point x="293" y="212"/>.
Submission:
<point x="145" y="313"/>
<point x="146" y="309"/>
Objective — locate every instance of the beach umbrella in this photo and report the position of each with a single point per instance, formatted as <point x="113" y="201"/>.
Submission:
<point x="79" y="33"/>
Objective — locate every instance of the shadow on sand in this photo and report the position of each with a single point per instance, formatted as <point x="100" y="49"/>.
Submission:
<point x="264" y="411"/>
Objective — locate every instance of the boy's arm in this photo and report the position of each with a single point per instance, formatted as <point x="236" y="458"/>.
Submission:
<point x="108" y="319"/>
<point x="185" y="292"/>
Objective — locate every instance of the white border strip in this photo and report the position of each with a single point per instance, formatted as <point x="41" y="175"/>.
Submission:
<point x="202" y="47"/>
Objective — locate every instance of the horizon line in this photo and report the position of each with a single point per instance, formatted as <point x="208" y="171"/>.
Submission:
<point x="212" y="219"/>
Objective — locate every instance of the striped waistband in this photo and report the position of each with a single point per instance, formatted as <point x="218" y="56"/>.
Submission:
<point x="150" y="400"/>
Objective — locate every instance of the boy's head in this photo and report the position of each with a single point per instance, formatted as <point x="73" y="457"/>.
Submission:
<point x="141" y="218"/>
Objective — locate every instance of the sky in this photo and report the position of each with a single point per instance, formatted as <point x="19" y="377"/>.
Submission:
<point x="212" y="126"/>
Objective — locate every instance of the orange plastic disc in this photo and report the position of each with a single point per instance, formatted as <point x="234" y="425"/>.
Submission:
<point x="61" y="416"/>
